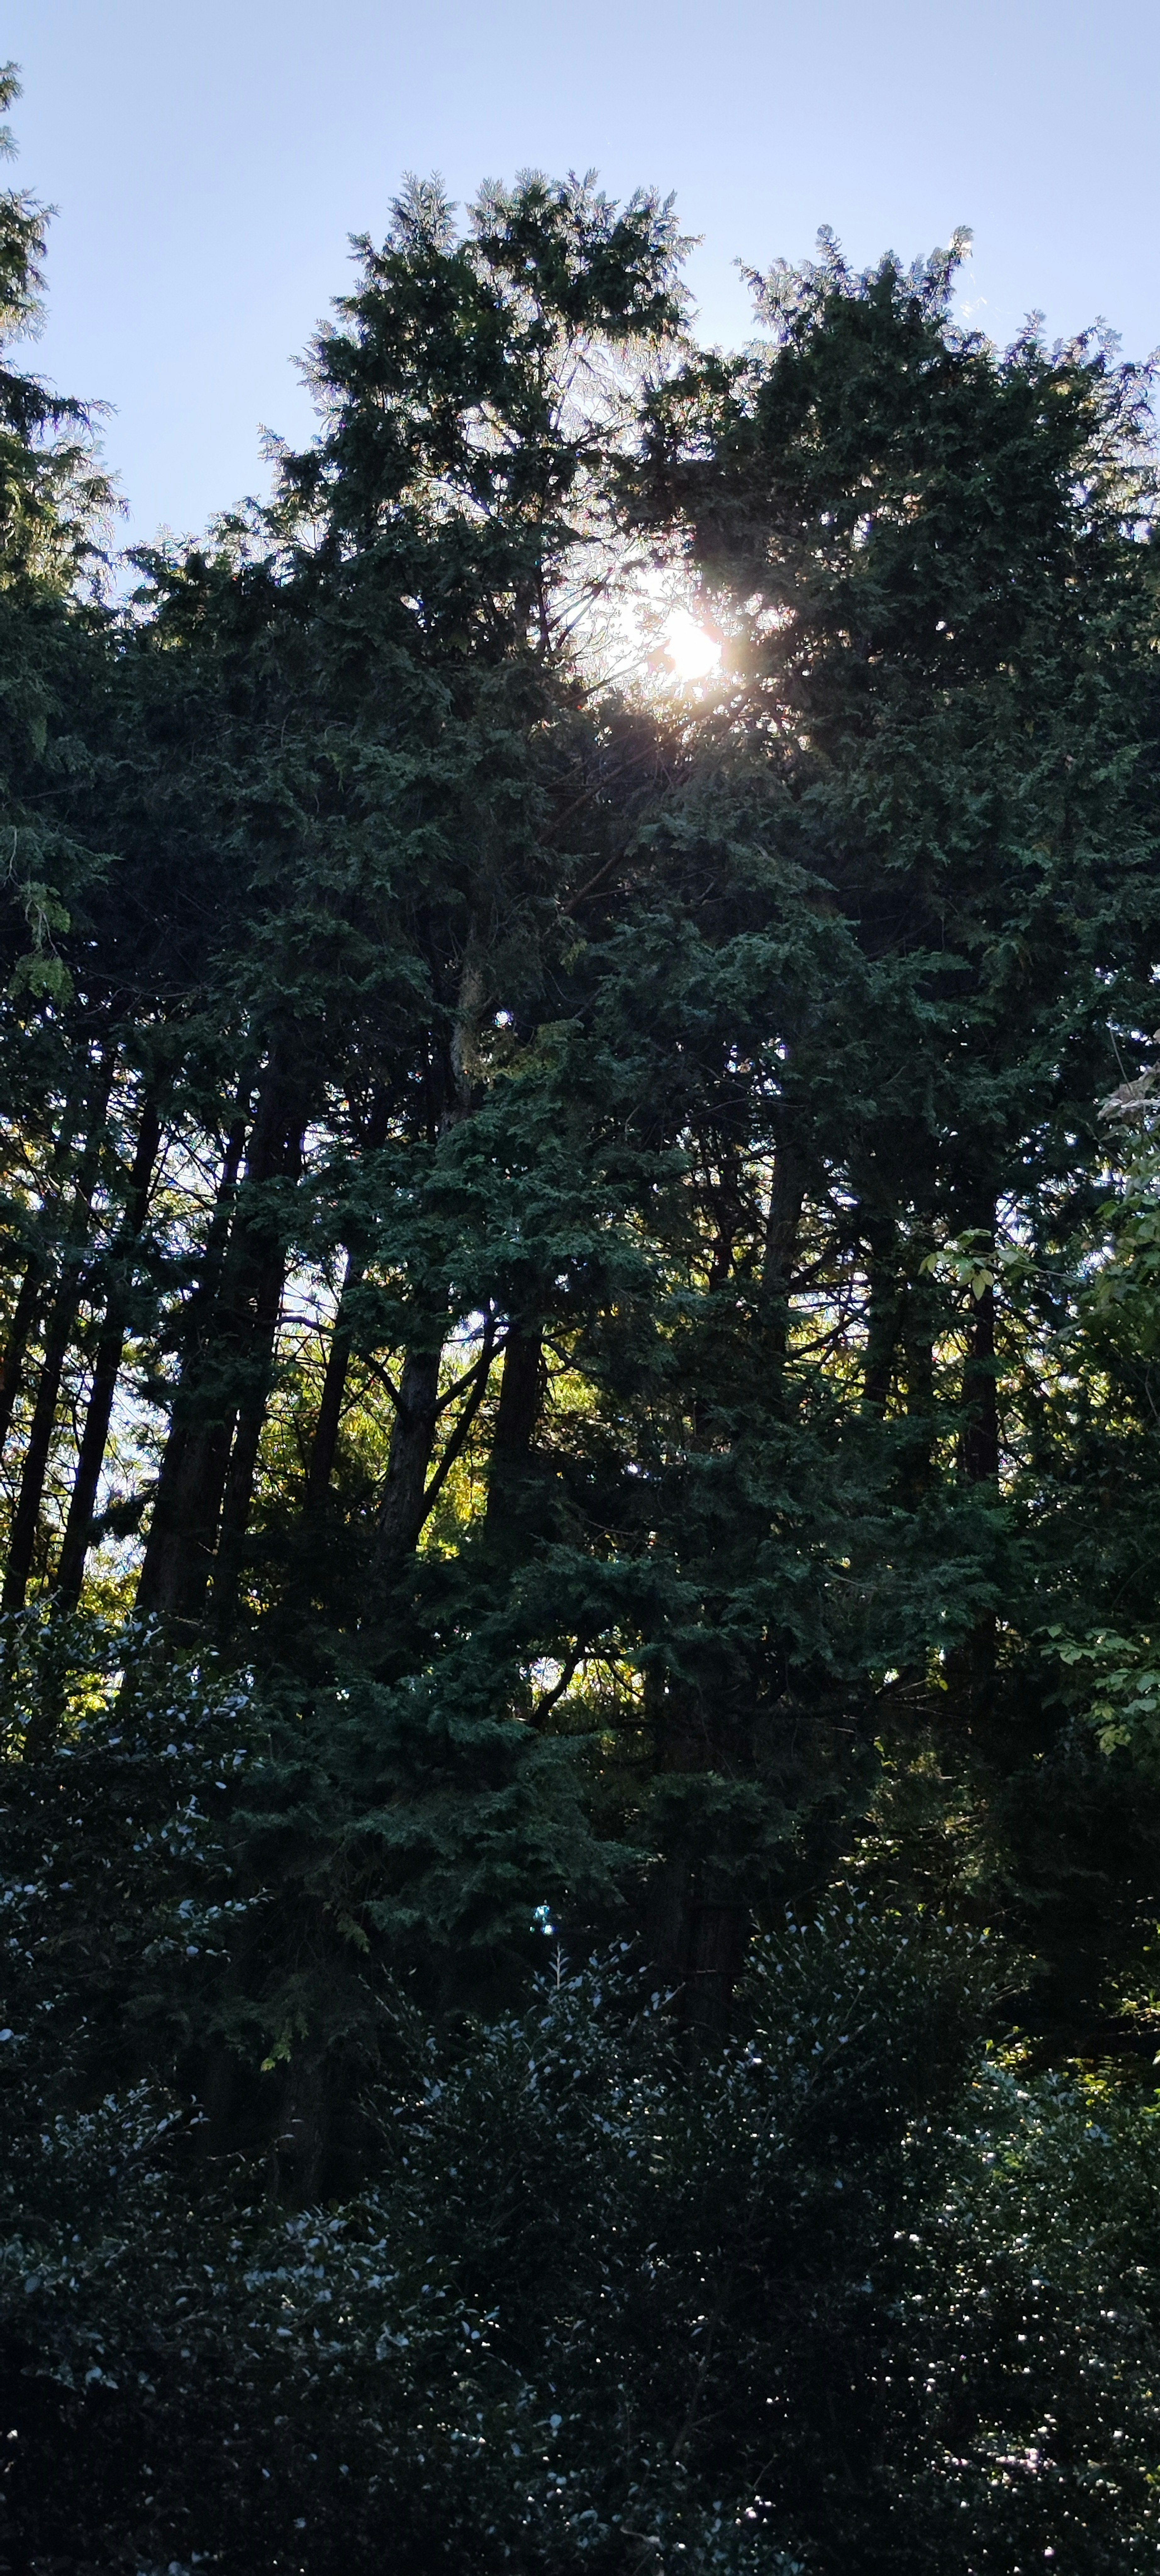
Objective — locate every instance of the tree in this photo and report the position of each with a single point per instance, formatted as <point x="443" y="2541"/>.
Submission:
<point x="565" y="1248"/>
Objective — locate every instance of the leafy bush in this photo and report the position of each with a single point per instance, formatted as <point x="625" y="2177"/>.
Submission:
<point x="604" y="2308"/>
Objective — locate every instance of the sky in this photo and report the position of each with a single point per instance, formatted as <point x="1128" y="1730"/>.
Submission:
<point x="209" y="159"/>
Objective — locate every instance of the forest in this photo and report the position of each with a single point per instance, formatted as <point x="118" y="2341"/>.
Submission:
<point x="579" y="1383"/>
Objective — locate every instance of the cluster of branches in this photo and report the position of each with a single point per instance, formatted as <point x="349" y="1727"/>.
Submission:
<point x="560" y="1227"/>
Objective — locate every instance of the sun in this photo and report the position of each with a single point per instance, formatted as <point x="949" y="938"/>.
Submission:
<point x="689" y="652"/>
<point x="651" y="639"/>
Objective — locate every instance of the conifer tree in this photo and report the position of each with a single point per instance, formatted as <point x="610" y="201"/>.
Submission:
<point x="579" y="1357"/>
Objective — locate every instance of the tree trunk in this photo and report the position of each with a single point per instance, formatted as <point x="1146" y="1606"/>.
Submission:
<point x="971" y="1666"/>
<point x="716" y="1938"/>
<point x="417" y="1413"/>
<point x="324" y="1446"/>
<point x="62" y="1317"/>
<point x="27" y="1305"/>
<point x="918" y="1337"/>
<point x="26" y="1518"/>
<point x="180" y="1547"/>
<point x="885" y="1315"/>
<point x="979" y="1438"/>
<point x="979" y="1441"/>
<point x="698" y="1929"/>
<point x="19" y="1335"/>
<point x="75" y="1544"/>
<point x="786" y="1200"/>
<point x="521" y="1396"/>
<point x="160" y="1579"/>
<point x="415" y="1428"/>
<point x="238" y="1494"/>
<point x="412" y="1448"/>
<point x="226" y="1377"/>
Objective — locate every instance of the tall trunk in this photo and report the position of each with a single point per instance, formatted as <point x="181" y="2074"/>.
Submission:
<point x="416" y="1421"/>
<point x="414" y="1432"/>
<point x="885" y="1315"/>
<point x="19" y="1335"/>
<point x="221" y="1464"/>
<point x="786" y="1200"/>
<point x="62" y="1317"/>
<point x="979" y="1439"/>
<point x="521" y="1396"/>
<point x="716" y="1938"/>
<point x="970" y="1668"/>
<point x="918" y="1336"/>
<point x="698" y="1929"/>
<point x="160" y="1579"/>
<point x="179" y="1552"/>
<point x="26" y="1518"/>
<point x="238" y="1494"/>
<point x="226" y="1379"/>
<point x="110" y="1346"/>
<point x="412" y="1448"/>
<point x="32" y="1285"/>
<point x="324" y="1446"/>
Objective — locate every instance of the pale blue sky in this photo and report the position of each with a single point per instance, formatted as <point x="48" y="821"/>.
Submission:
<point x="210" y="157"/>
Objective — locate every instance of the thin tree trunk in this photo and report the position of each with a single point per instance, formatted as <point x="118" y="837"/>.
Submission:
<point x="106" y="1369"/>
<point x="160" y="1580"/>
<point x="229" y="1374"/>
<point x="970" y="1667"/>
<point x="415" y="1427"/>
<point x="979" y="1440"/>
<point x="918" y="1331"/>
<point x="324" y="1446"/>
<point x="238" y="1495"/>
<point x="16" y="1345"/>
<point x="28" y="1299"/>
<point x="62" y="1317"/>
<point x="412" y="1447"/>
<point x="885" y="1314"/>
<point x="786" y="1200"/>
<point x="26" y="1518"/>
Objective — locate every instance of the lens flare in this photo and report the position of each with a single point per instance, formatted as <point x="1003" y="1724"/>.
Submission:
<point x="689" y="652"/>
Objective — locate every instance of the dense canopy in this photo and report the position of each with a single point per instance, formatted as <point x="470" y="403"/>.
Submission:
<point x="580" y="1312"/>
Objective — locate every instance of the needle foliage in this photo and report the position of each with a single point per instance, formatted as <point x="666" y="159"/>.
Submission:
<point x="578" y="1382"/>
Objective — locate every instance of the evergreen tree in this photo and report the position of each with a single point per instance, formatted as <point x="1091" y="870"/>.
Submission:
<point x="578" y="1359"/>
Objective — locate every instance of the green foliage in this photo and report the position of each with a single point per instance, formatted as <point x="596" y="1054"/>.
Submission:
<point x="114" y="1970"/>
<point x="50" y="488"/>
<point x="578" y="1351"/>
<point x="815" y="2303"/>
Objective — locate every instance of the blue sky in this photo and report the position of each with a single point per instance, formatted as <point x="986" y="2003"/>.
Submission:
<point x="209" y="161"/>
